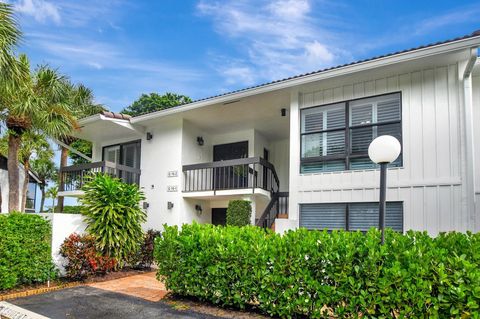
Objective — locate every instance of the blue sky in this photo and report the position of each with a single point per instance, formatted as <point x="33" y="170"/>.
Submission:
<point x="123" y="48"/>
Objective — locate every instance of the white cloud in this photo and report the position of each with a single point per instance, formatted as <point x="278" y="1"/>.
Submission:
<point x="275" y="38"/>
<point x="41" y="10"/>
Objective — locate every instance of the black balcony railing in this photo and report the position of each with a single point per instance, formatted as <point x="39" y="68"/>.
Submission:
<point x="243" y="173"/>
<point x="278" y="206"/>
<point x="75" y="176"/>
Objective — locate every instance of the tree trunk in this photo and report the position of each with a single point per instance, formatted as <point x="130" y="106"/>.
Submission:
<point x="26" y="179"/>
<point x="42" y="200"/>
<point x="63" y="163"/>
<point x="13" y="172"/>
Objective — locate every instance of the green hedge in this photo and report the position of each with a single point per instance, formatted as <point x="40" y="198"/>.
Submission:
<point x="25" y="250"/>
<point x="239" y="213"/>
<point x="320" y="274"/>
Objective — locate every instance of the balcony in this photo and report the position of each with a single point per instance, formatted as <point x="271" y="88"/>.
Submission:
<point x="75" y="176"/>
<point x="231" y="177"/>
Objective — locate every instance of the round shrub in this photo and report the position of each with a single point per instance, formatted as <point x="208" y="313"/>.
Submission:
<point x="239" y="213"/>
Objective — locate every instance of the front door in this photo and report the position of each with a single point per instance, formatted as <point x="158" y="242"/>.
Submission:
<point x="219" y="216"/>
<point x="231" y="177"/>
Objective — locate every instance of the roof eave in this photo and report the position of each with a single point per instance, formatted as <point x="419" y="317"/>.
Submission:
<point x="334" y="72"/>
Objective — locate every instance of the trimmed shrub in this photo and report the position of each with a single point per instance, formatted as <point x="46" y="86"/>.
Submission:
<point x="320" y="274"/>
<point x="114" y="215"/>
<point x="82" y="258"/>
<point x="143" y="257"/>
<point x="25" y="250"/>
<point x="67" y="209"/>
<point x="239" y="212"/>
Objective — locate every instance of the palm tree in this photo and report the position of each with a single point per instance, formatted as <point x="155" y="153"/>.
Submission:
<point x="10" y="35"/>
<point x="32" y="101"/>
<point x="44" y="167"/>
<point x="52" y="193"/>
<point x="32" y="144"/>
<point x="82" y="102"/>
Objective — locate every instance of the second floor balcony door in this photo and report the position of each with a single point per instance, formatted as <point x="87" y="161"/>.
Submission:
<point x="235" y="176"/>
<point x="127" y="154"/>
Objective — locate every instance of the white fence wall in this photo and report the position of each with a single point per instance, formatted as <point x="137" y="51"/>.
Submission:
<point x="63" y="225"/>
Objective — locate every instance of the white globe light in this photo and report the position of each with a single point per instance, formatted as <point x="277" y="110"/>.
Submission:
<point x="384" y="149"/>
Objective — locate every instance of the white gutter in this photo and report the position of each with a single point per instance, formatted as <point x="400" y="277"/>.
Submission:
<point x="469" y="196"/>
<point x="71" y="149"/>
<point x="345" y="70"/>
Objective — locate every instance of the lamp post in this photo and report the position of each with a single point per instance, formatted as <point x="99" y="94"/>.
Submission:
<point x="383" y="150"/>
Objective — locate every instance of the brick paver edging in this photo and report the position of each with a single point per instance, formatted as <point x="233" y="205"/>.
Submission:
<point x="39" y="291"/>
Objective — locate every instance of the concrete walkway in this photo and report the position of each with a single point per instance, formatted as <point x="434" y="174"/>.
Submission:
<point x="145" y="286"/>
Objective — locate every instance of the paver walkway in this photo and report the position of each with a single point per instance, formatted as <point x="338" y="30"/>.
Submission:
<point x="145" y="286"/>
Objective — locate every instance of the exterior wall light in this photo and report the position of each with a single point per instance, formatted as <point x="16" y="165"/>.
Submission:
<point x="383" y="150"/>
<point x="198" y="208"/>
<point x="169" y="205"/>
<point x="200" y="140"/>
<point x="283" y="112"/>
<point x="149" y="136"/>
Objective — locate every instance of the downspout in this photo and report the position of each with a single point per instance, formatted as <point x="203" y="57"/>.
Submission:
<point x="71" y="149"/>
<point x="469" y="140"/>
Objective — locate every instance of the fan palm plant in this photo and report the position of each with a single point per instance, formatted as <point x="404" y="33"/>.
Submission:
<point x="44" y="167"/>
<point x="82" y="103"/>
<point x="10" y="35"/>
<point x="32" y="101"/>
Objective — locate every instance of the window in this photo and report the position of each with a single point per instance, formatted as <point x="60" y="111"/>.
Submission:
<point x="126" y="154"/>
<point x="336" y="137"/>
<point x="350" y="216"/>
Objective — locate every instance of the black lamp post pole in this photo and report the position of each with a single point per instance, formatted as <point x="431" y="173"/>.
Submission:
<point x="383" y="191"/>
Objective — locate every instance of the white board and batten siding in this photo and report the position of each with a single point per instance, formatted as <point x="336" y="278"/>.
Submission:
<point x="430" y="182"/>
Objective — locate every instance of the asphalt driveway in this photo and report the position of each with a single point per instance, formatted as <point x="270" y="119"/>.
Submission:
<point x="87" y="302"/>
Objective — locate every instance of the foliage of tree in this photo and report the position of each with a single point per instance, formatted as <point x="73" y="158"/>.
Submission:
<point x="45" y="169"/>
<point x="10" y="35"/>
<point x="147" y="103"/>
<point x="82" y="146"/>
<point x="82" y="104"/>
<point x="32" y="101"/>
<point x="113" y="215"/>
<point x="52" y="192"/>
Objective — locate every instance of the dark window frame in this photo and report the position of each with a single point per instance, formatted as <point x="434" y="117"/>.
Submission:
<point x="139" y="141"/>
<point x="347" y="212"/>
<point x="347" y="155"/>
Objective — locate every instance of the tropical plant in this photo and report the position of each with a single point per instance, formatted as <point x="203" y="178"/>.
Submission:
<point x="147" y="103"/>
<point x="10" y="35"/>
<point x="45" y="169"/>
<point x="113" y="215"/>
<point x="82" y="259"/>
<point x="239" y="213"/>
<point x="82" y="104"/>
<point x="143" y="257"/>
<point x="32" y="101"/>
<point x="52" y="192"/>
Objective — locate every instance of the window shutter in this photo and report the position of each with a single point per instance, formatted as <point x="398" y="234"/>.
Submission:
<point x="322" y="216"/>
<point x="312" y="121"/>
<point x="361" y="114"/>
<point x="389" y="110"/>
<point x="363" y="216"/>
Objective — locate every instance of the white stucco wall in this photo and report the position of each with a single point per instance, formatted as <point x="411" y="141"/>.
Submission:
<point x="63" y="225"/>
<point x="430" y="181"/>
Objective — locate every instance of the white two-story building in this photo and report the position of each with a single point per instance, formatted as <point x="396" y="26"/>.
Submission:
<point x="297" y="147"/>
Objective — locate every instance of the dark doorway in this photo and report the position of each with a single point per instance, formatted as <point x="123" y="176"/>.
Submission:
<point x="219" y="216"/>
<point x="231" y="177"/>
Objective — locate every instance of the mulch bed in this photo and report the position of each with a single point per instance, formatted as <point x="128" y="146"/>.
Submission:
<point x="184" y="303"/>
<point x="28" y="290"/>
